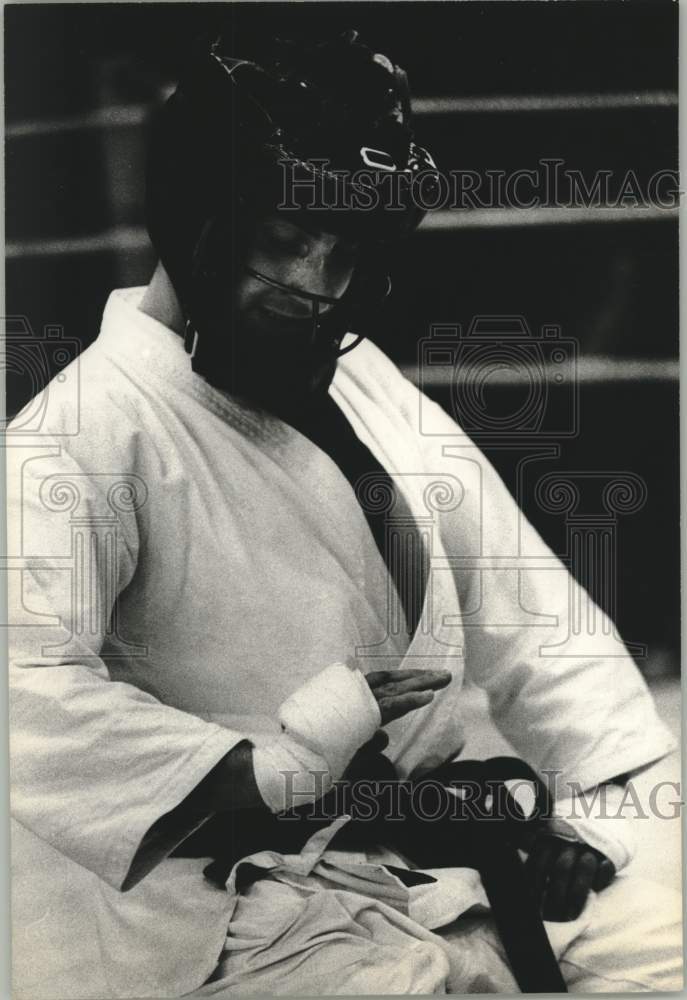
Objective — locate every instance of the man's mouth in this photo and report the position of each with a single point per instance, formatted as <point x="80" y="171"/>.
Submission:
<point x="294" y="312"/>
<point x="274" y="319"/>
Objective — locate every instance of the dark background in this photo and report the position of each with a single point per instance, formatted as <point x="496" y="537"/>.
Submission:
<point x="79" y="82"/>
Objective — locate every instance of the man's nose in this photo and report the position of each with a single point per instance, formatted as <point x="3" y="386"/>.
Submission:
<point x="318" y="277"/>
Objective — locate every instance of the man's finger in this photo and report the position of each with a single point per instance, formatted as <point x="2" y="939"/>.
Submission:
<point x="424" y="680"/>
<point x="540" y="863"/>
<point x="558" y="887"/>
<point x="394" y="708"/>
<point x="539" y="866"/>
<point x="605" y="874"/>
<point x="379" y="678"/>
<point x="581" y="882"/>
<point x="376" y="678"/>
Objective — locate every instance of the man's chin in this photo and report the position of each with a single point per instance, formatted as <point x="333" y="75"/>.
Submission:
<point x="289" y="399"/>
<point x="283" y="378"/>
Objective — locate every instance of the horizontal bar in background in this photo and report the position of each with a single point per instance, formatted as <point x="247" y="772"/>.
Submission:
<point x="518" y="104"/>
<point x="498" y="218"/>
<point x="588" y="370"/>
<point x="135" y="238"/>
<point x="112" y="116"/>
<point x="119" y="239"/>
<point x="129" y="115"/>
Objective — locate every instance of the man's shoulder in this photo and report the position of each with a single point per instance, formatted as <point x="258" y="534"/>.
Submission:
<point x="87" y="407"/>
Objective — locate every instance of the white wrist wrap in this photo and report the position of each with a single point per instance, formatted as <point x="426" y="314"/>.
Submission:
<point x="324" y="722"/>
<point x="604" y="828"/>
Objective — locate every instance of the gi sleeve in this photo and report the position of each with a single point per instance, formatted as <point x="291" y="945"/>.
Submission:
<point x="562" y="686"/>
<point x="95" y="763"/>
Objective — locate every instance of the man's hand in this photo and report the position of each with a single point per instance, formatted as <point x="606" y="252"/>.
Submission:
<point x="563" y="872"/>
<point x="401" y="691"/>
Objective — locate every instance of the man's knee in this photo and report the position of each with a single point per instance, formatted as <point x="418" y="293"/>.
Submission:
<point x="634" y="935"/>
<point x="638" y="902"/>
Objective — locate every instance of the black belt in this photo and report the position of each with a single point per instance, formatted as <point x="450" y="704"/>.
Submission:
<point x="489" y="825"/>
<point x="482" y="830"/>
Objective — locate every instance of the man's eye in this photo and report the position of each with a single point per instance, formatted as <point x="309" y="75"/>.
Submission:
<point x="285" y="241"/>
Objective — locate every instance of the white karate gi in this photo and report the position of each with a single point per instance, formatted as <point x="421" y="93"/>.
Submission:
<point x="241" y="565"/>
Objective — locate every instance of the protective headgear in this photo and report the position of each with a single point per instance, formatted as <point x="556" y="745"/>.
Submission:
<point x="318" y="133"/>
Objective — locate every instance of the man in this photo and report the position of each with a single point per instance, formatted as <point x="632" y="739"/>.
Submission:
<point x="213" y="621"/>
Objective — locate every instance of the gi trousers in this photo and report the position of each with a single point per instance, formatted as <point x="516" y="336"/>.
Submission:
<point x="330" y="942"/>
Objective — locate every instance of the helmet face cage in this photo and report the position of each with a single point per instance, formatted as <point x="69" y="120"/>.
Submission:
<point x="315" y="300"/>
<point x="216" y="270"/>
<point x="274" y="114"/>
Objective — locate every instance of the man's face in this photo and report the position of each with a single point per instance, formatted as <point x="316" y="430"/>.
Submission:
<point x="275" y="361"/>
<point x="310" y="260"/>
